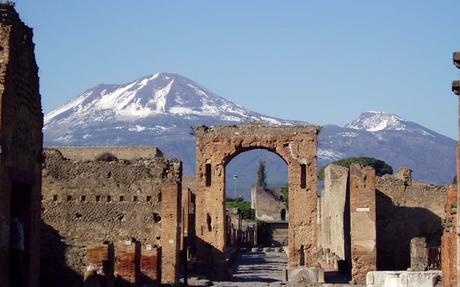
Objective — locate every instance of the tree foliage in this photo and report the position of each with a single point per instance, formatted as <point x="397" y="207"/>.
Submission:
<point x="245" y="207"/>
<point x="285" y="192"/>
<point x="381" y="167"/>
<point x="261" y="175"/>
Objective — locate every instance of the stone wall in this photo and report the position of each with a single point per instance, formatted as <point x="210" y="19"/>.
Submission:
<point x="362" y="222"/>
<point x="21" y="122"/>
<point x="449" y="239"/>
<point x="456" y="90"/>
<point x="406" y="209"/>
<point x="333" y="210"/>
<point x="87" y="202"/>
<point x="128" y="153"/>
<point x="216" y="146"/>
<point x="268" y="204"/>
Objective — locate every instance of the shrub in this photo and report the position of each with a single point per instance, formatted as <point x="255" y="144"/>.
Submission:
<point x="380" y="166"/>
<point x="106" y="156"/>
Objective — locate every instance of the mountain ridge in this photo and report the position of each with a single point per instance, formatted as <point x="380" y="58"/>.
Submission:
<point x="160" y="109"/>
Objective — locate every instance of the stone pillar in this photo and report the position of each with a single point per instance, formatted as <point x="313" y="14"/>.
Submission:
<point x="449" y="240"/>
<point x="150" y="265"/>
<point x="418" y="254"/>
<point x="170" y="231"/>
<point x="333" y="209"/>
<point x="456" y="90"/>
<point x="125" y="265"/>
<point x="21" y="140"/>
<point x="98" y="256"/>
<point x="363" y="222"/>
<point x="302" y="232"/>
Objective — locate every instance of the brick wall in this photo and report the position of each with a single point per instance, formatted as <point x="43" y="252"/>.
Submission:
<point x="449" y="240"/>
<point x="363" y="222"/>
<point x="88" y="202"/>
<point x="21" y="122"/>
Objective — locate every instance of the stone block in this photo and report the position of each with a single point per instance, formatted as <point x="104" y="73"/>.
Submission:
<point x="304" y="276"/>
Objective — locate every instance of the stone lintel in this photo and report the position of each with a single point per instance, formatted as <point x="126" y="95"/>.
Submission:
<point x="456" y="87"/>
<point x="456" y="58"/>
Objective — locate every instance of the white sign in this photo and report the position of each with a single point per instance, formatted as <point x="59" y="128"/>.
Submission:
<point x="362" y="209"/>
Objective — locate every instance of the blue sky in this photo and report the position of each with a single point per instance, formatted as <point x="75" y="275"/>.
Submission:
<point x="317" y="61"/>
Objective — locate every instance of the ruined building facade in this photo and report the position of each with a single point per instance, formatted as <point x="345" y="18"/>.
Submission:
<point x="367" y="222"/>
<point x="21" y="122"/>
<point x="268" y="204"/>
<point x="119" y="212"/>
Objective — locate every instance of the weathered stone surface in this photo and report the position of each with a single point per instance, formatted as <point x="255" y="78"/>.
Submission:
<point x="216" y="146"/>
<point x="127" y="153"/>
<point x="363" y="222"/>
<point x="21" y="122"/>
<point x="268" y="204"/>
<point x="418" y="254"/>
<point x="406" y="209"/>
<point x="449" y="240"/>
<point x="87" y="202"/>
<point x="403" y="279"/>
<point x="305" y="276"/>
<point x="333" y="210"/>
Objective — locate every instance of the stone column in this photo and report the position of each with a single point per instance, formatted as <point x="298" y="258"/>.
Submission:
<point x="418" y="254"/>
<point x="170" y="231"/>
<point x="363" y="222"/>
<point x="456" y="90"/>
<point x="449" y="240"/>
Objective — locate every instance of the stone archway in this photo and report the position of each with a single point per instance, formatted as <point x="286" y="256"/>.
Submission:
<point x="217" y="145"/>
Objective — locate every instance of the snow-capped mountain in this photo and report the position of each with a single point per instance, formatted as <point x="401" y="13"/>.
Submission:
<point x="377" y="121"/>
<point x="393" y="139"/>
<point x="160" y="110"/>
<point x="149" y="97"/>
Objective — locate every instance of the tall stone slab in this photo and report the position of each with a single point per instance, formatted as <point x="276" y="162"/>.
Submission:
<point x="456" y="91"/>
<point x="170" y="231"/>
<point x="363" y="222"/>
<point x="216" y="146"/>
<point x="449" y="240"/>
<point x="333" y="201"/>
<point x="21" y="122"/>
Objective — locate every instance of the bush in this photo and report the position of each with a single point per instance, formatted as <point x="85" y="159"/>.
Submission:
<point x="106" y="156"/>
<point x="381" y="167"/>
<point x="243" y="205"/>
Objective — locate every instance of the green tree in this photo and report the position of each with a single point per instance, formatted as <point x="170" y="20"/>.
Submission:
<point x="381" y="167"/>
<point x="261" y="175"/>
<point x="243" y="205"/>
<point x="285" y="192"/>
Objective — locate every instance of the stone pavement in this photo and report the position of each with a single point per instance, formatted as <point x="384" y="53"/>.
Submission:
<point x="253" y="269"/>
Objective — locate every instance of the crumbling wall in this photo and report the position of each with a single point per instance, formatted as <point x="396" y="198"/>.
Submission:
<point x="333" y="213"/>
<point x="406" y="209"/>
<point x="362" y="222"/>
<point x="268" y="204"/>
<point x="21" y="122"/>
<point x="128" y="153"/>
<point x="87" y="202"/>
<point x="449" y="239"/>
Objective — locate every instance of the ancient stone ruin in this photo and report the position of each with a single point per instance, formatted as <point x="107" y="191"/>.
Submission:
<point x="216" y="146"/>
<point x="371" y="223"/>
<point x="21" y="122"/>
<point x="118" y="214"/>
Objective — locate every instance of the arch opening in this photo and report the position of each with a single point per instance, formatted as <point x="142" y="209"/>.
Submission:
<point x="254" y="185"/>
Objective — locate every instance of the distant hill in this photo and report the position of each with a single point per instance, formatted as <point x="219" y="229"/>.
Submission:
<point x="160" y="110"/>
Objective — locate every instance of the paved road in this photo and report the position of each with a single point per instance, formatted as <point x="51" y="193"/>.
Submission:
<point x="257" y="269"/>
